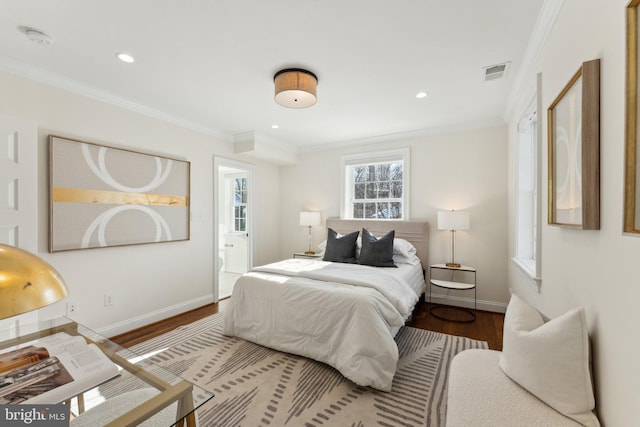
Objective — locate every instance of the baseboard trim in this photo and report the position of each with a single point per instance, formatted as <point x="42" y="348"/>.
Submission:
<point x="493" y="306"/>
<point x="154" y="316"/>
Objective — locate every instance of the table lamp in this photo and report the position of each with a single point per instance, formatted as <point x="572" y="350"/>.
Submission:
<point x="309" y="219"/>
<point x="452" y="221"/>
<point x="27" y="282"/>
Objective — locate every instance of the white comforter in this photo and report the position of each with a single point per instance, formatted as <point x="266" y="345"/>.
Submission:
<point x="339" y="314"/>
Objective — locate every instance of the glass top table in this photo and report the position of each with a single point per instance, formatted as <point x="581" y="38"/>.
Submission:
<point x="142" y="393"/>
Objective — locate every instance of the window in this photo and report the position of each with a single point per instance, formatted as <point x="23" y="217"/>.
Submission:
<point x="376" y="185"/>
<point x="240" y="204"/>
<point x="527" y="214"/>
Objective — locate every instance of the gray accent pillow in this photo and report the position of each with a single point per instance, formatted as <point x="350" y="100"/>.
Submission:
<point x="377" y="252"/>
<point x="341" y="248"/>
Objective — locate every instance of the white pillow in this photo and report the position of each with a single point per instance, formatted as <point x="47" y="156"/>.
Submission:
<point x="550" y="360"/>
<point x="404" y="252"/>
<point x="403" y="247"/>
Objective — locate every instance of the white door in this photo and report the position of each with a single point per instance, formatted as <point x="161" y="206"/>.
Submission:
<point x="234" y="242"/>
<point x="234" y="253"/>
<point x="18" y="194"/>
<point x="18" y="183"/>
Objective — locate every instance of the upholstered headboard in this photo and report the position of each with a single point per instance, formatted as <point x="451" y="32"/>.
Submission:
<point x="414" y="231"/>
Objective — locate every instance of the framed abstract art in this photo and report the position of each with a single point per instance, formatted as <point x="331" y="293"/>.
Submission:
<point x="632" y="146"/>
<point x="573" y="121"/>
<point x="102" y="196"/>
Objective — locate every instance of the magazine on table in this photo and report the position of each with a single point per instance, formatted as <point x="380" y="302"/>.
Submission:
<point x="52" y="370"/>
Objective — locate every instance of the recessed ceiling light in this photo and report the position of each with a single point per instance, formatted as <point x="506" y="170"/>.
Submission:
<point x="125" y="57"/>
<point x="275" y="126"/>
<point x="421" y="95"/>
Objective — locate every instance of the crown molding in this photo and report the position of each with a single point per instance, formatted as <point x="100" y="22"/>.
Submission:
<point x="442" y="130"/>
<point x="52" y="79"/>
<point x="525" y="78"/>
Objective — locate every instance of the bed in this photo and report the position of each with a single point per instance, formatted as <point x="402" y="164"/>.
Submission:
<point x="344" y="315"/>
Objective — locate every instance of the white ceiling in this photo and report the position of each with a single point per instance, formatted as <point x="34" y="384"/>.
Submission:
<point x="209" y="64"/>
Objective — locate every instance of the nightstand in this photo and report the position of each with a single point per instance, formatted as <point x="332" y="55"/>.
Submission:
<point x="452" y="284"/>
<point x="317" y="255"/>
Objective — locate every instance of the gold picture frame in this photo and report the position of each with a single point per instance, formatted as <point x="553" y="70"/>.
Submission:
<point x="573" y="121"/>
<point x="103" y="196"/>
<point x="632" y="179"/>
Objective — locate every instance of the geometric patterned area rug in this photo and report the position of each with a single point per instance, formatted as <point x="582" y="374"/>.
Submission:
<point x="257" y="386"/>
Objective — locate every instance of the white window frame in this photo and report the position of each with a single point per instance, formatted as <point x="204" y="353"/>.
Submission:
<point x="236" y="205"/>
<point x="229" y="208"/>
<point x="528" y="200"/>
<point x="348" y="161"/>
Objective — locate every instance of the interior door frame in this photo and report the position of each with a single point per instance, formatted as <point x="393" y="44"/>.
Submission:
<point x="219" y="162"/>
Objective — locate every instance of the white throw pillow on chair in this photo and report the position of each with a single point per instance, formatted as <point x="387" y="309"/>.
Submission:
<point x="550" y="360"/>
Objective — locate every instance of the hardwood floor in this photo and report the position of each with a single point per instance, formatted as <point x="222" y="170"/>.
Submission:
<point x="486" y="327"/>
<point x="144" y="333"/>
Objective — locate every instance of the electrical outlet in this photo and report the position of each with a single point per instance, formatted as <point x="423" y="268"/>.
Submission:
<point x="72" y="307"/>
<point x="108" y="300"/>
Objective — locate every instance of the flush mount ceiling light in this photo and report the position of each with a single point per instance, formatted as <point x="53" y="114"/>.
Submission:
<point x="295" y="88"/>
<point x="421" y="95"/>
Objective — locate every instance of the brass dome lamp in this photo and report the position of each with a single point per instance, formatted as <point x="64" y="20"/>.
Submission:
<point x="27" y="282"/>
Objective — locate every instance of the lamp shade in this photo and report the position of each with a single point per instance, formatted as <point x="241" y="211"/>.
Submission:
<point x="309" y="218"/>
<point x="295" y="88"/>
<point x="453" y="220"/>
<point x="27" y="282"/>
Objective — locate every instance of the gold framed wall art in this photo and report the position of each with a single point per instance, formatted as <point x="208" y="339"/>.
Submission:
<point x="573" y="121"/>
<point x="632" y="177"/>
<point x="102" y="196"/>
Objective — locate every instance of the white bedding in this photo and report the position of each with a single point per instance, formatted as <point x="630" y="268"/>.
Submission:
<point x="413" y="275"/>
<point x="339" y="314"/>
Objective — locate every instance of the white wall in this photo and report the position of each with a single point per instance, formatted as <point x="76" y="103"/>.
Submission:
<point x="595" y="269"/>
<point x="148" y="281"/>
<point x="465" y="170"/>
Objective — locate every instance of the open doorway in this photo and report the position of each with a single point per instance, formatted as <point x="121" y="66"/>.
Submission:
<point x="233" y="223"/>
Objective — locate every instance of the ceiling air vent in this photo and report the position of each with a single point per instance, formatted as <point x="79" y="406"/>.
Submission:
<point x="37" y="36"/>
<point x="496" y="72"/>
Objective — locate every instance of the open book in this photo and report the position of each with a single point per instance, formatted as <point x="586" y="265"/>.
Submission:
<point x="52" y="370"/>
